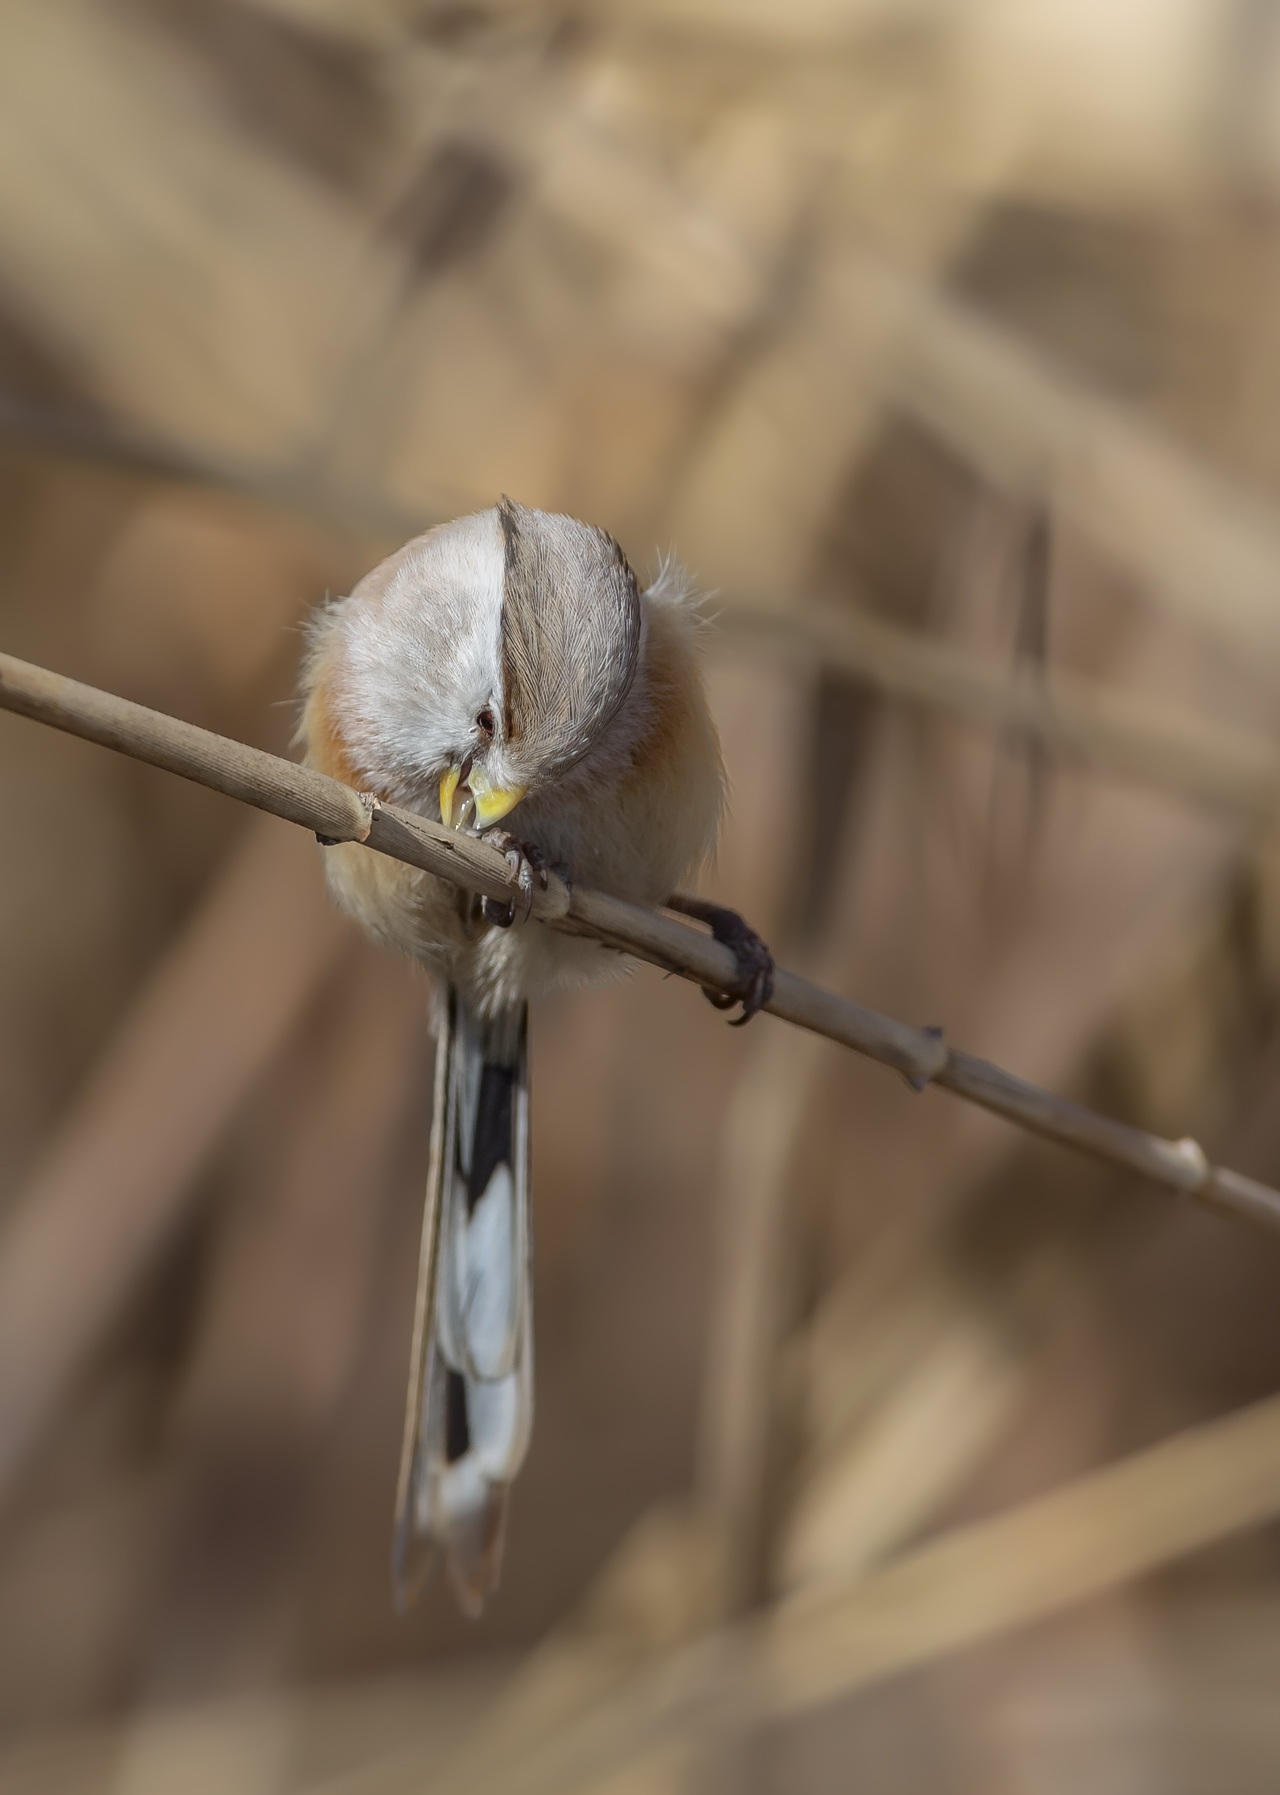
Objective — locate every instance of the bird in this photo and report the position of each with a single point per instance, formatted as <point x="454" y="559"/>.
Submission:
<point x="506" y="668"/>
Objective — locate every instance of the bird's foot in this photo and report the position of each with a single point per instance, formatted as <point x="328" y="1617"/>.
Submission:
<point x="529" y="867"/>
<point x="755" y="963"/>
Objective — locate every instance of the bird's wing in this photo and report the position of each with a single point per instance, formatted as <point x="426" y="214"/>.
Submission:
<point x="470" y="1403"/>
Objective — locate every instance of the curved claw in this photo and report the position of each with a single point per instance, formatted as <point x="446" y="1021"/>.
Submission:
<point x="755" y="962"/>
<point x="758" y="993"/>
<point x="527" y="863"/>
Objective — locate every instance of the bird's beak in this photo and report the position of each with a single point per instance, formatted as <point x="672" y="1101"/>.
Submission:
<point x="448" y="792"/>
<point x="490" y="802"/>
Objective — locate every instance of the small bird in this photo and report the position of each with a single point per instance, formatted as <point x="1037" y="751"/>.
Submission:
<point x="505" y="661"/>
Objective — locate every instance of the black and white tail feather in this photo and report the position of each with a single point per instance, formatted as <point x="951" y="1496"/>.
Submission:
<point x="470" y="1403"/>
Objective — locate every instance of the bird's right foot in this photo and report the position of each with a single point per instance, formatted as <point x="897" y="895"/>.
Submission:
<point x="529" y="866"/>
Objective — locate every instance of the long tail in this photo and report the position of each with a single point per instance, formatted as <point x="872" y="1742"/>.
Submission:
<point x="470" y="1402"/>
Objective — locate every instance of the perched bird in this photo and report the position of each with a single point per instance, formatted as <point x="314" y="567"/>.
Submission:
<point x="506" y="662"/>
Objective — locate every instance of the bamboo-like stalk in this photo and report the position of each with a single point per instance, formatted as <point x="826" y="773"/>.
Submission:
<point x="117" y="1174"/>
<point x="336" y="812"/>
<point x="1079" y="721"/>
<point x="956" y="1590"/>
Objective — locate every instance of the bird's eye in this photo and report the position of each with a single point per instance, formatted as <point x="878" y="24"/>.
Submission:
<point x="484" y="723"/>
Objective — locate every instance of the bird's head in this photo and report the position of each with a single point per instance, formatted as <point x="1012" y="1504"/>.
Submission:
<point x="486" y="658"/>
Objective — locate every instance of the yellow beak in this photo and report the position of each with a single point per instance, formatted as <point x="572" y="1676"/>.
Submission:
<point x="448" y="791"/>
<point x="491" y="802"/>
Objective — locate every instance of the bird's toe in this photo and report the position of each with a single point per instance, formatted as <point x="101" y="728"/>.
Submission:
<point x="754" y="985"/>
<point x="528" y="868"/>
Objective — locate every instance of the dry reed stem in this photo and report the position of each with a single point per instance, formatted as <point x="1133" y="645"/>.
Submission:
<point x="112" y="1182"/>
<point x="1203" y="547"/>
<point x="972" y="1584"/>
<point x="1076" y="719"/>
<point x="334" y="810"/>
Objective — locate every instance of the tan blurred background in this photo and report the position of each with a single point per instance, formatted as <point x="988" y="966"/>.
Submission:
<point x="878" y="1447"/>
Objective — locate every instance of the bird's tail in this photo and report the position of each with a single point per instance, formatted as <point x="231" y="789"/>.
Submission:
<point x="470" y="1403"/>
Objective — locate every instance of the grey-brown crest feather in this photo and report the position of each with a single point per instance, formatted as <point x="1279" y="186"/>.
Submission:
<point x="570" y="631"/>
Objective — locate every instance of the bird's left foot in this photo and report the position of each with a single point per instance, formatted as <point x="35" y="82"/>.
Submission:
<point x="529" y="867"/>
<point x="755" y="963"/>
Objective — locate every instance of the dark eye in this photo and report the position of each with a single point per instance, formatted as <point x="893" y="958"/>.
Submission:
<point x="484" y="723"/>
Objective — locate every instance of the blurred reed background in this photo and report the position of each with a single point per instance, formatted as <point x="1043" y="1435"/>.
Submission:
<point x="878" y="1446"/>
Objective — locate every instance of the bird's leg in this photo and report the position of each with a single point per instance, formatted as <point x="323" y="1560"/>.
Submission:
<point x="755" y="962"/>
<point x="528" y="864"/>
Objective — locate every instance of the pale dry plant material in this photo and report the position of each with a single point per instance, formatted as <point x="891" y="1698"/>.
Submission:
<point x="409" y="840"/>
<point x="964" y="1586"/>
<point x="110" y="1187"/>
<point x="1079" y="721"/>
<point x="326" y="806"/>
